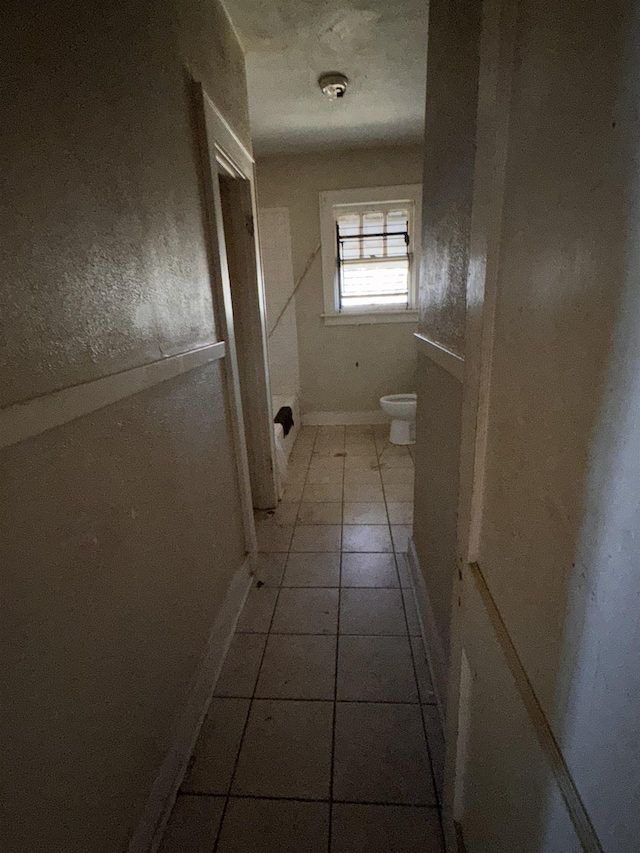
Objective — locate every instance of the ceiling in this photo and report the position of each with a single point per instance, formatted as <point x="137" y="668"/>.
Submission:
<point x="381" y="45"/>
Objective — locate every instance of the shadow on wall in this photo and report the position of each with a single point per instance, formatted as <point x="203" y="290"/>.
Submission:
<point x="559" y="546"/>
<point x="599" y="685"/>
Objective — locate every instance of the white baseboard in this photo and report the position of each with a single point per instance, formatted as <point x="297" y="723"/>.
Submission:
<point x="148" y="834"/>
<point x="430" y="634"/>
<point x="344" y="418"/>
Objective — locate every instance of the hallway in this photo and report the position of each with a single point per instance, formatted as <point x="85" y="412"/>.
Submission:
<point x="291" y="757"/>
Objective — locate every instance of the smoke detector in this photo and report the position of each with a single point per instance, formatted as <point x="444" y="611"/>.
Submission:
<point x="333" y="85"/>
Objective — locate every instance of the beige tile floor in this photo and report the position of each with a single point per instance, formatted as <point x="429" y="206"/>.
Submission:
<point x="323" y="736"/>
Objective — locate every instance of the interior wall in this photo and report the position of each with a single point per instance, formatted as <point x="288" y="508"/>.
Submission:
<point x="282" y="324"/>
<point x="558" y="546"/>
<point x="116" y="547"/>
<point x="342" y="368"/>
<point x="450" y="127"/>
<point x="449" y="153"/>
<point x="437" y="460"/>
<point x="507" y="798"/>
<point x="241" y="250"/>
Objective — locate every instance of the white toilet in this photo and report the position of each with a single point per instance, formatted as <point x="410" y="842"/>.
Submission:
<point x="401" y="408"/>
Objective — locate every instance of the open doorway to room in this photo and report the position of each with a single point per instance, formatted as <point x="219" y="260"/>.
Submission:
<point x="236" y="196"/>
<point x="239" y="293"/>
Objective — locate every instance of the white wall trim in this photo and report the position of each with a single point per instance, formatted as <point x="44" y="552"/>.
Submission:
<point x="352" y="318"/>
<point x="210" y="124"/>
<point x="25" y="420"/>
<point x="148" y="834"/>
<point x="240" y="250"/>
<point x="430" y="635"/>
<point x="344" y="418"/>
<point x="227" y="143"/>
<point x="442" y="356"/>
<point x="329" y="201"/>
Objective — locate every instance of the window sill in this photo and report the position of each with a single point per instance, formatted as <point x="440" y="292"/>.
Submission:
<point x="351" y="318"/>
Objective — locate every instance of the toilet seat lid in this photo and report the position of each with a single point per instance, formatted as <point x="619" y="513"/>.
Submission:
<point x="401" y="398"/>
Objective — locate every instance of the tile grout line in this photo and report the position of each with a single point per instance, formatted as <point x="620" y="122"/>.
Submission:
<point x="324" y="586"/>
<point x="204" y="794"/>
<point x="379" y="450"/>
<point x="327" y="701"/>
<point x="335" y="675"/>
<point x="324" y="633"/>
<point x="253" y="694"/>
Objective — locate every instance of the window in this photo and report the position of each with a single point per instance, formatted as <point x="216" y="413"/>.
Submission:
<point x="369" y="254"/>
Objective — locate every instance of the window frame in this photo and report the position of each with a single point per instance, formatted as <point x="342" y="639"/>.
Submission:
<point x="367" y="197"/>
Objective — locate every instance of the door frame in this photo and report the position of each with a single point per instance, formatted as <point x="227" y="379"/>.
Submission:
<point x="233" y="160"/>
<point x="238" y="222"/>
<point x="222" y="152"/>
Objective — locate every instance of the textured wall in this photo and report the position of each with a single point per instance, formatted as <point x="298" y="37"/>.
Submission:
<point x="450" y="121"/>
<point x="116" y="547"/>
<point x="511" y="800"/>
<point x="449" y="151"/>
<point x="211" y="51"/>
<point x="342" y="368"/>
<point x="438" y="426"/>
<point x="120" y="533"/>
<point x="103" y="259"/>
<point x="559" y="543"/>
<point x="277" y="261"/>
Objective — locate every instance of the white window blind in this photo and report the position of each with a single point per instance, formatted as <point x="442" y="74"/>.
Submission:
<point x="370" y="238"/>
<point x="373" y="258"/>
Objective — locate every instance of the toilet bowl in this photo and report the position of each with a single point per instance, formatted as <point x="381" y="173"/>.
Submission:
<point x="401" y="408"/>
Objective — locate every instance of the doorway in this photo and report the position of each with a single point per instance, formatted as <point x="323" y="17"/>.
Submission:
<point x="249" y="313"/>
<point x="240" y="305"/>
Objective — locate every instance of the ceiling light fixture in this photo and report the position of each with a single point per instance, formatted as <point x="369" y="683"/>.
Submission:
<point x="333" y="85"/>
